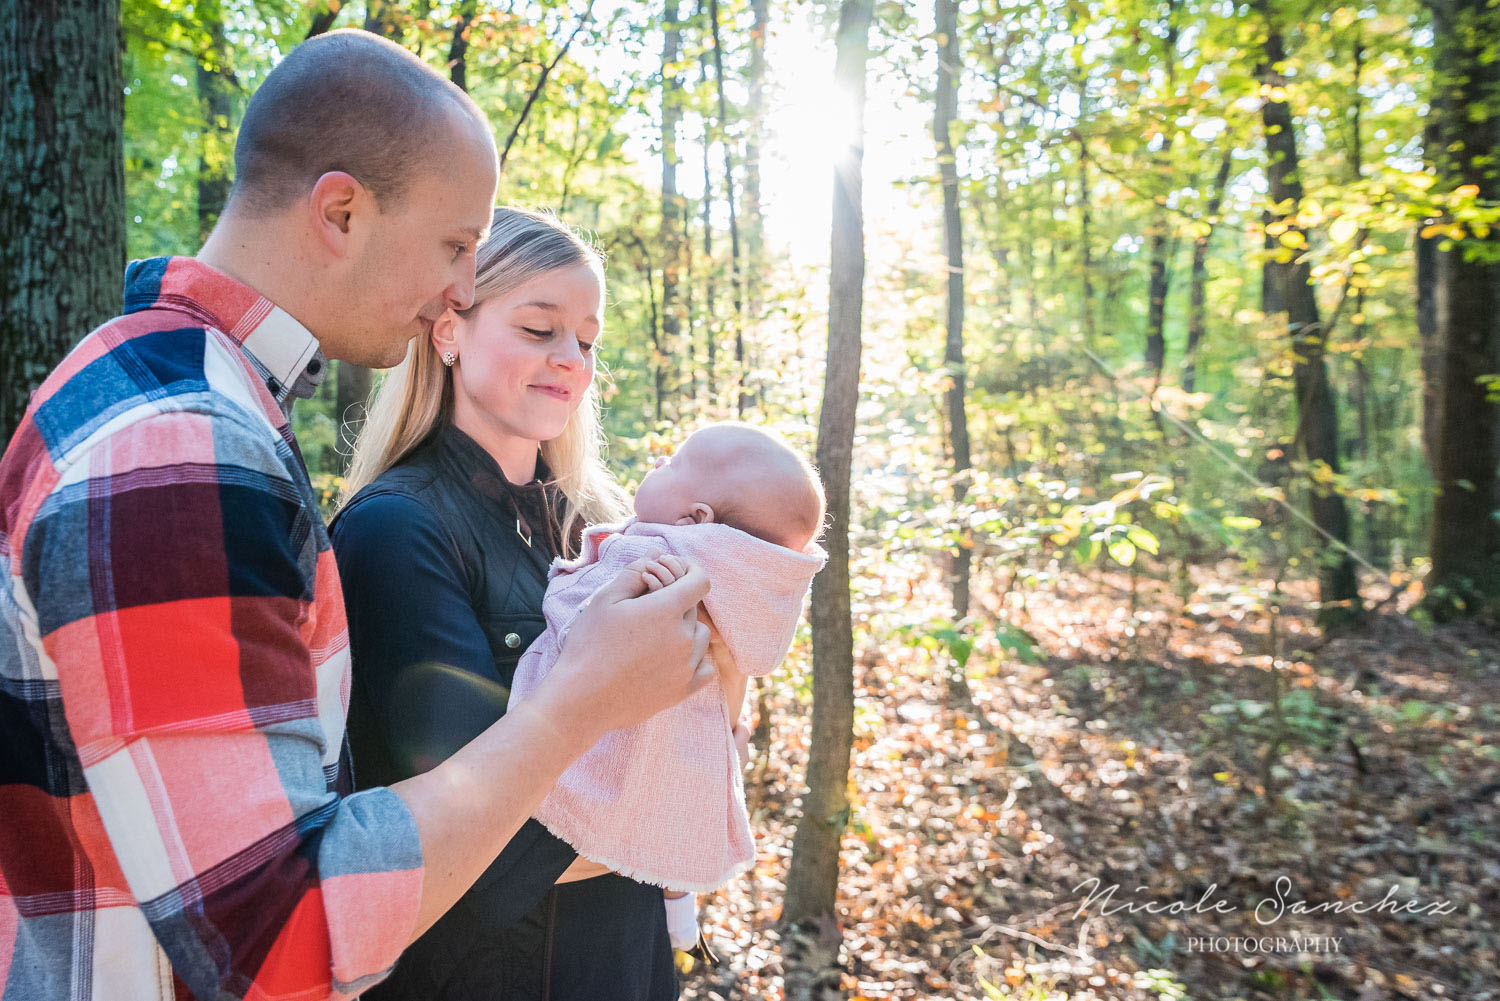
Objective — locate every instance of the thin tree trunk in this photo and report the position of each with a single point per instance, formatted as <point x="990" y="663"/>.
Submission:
<point x="541" y="83"/>
<point x="1426" y="290"/>
<point x="324" y="15"/>
<point x="383" y="18"/>
<point x="1161" y="243"/>
<point x="1198" y="283"/>
<point x="458" y="48"/>
<point x="62" y="216"/>
<point x="1085" y="252"/>
<point x="351" y="397"/>
<point x="1465" y="529"/>
<point x="812" y="877"/>
<point x="1359" y="389"/>
<point x="1156" y="306"/>
<point x="755" y="115"/>
<point x="945" y="108"/>
<point x="736" y="279"/>
<point x="670" y="236"/>
<point x="710" y="269"/>
<point x="216" y="86"/>
<point x="1317" y="416"/>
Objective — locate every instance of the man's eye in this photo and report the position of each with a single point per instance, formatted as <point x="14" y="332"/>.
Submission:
<point x="537" y="333"/>
<point x="459" y="249"/>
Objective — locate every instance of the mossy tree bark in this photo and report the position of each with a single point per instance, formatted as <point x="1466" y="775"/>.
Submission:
<point x="62" y="185"/>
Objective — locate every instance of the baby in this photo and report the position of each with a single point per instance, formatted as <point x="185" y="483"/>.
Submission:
<point x="663" y="802"/>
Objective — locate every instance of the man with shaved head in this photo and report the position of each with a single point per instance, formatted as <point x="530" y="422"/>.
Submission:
<point x="174" y="666"/>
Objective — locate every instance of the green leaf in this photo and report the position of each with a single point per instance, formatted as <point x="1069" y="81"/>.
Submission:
<point x="1122" y="551"/>
<point x="1141" y="538"/>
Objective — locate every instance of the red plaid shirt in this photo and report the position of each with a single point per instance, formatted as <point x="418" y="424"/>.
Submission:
<point x="174" y="675"/>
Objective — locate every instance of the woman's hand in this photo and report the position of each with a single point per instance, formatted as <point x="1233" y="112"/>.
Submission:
<point x="636" y="649"/>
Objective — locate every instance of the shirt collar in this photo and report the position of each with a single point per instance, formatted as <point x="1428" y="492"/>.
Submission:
<point x="283" y="350"/>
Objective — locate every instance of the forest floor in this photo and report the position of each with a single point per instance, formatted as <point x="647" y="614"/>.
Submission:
<point x="1136" y="751"/>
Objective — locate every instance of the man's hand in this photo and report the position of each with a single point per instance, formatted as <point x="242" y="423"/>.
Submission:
<point x="637" y="649"/>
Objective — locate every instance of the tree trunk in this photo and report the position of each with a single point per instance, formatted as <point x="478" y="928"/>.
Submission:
<point x="216" y="86"/>
<point x="1162" y="246"/>
<point x="670" y="237"/>
<point x="736" y="279"/>
<point x="1198" y="283"/>
<point x="384" y="18"/>
<point x="324" y="14"/>
<point x="1271" y="301"/>
<point x="458" y="48"/>
<point x="62" y="216"/>
<point x="1317" y="417"/>
<point x="1085" y="252"/>
<point x="710" y="270"/>
<point x="1426" y="280"/>
<point x="945" y="108"/>
<point x="1156" y="306"/>
<point x="1466" y="421"/>
<point x="812" y="877"/>
<point x="350" y="400"/>
<point x="755" y="115"/>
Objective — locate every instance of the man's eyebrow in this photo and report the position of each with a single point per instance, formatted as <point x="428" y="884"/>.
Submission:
<point x="475" y="233"/>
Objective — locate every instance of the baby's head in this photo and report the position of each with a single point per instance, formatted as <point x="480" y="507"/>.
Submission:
<point x="740" y="476"/>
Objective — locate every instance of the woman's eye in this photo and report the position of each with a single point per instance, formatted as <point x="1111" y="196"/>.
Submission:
<point x="586" y="346"/>
<point x="537" y="333"/>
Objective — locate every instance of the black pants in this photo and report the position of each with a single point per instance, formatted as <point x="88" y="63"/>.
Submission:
<point x="516" y="937"/>
<point x="627" y="957"/>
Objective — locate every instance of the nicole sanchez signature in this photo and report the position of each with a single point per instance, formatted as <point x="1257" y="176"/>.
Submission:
<point x="1268" y="910"/>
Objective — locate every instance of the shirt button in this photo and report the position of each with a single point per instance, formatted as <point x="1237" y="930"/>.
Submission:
<point x="512" y="640"/>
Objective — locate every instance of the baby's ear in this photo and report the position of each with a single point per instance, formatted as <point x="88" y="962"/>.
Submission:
<point x="701" y="514"/>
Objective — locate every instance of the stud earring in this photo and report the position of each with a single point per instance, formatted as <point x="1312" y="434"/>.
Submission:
<point x="449" y="358"/>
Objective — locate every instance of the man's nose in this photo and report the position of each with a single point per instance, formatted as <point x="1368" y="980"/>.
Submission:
<point x="460" y="294"/>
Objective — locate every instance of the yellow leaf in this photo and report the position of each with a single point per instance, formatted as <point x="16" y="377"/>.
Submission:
<point x="1432" y="229"/>
<point x="1343" y="229"/>
<point x="1466" y="191"/>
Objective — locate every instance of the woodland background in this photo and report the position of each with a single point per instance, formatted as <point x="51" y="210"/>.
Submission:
<point x="1155" y="386"/>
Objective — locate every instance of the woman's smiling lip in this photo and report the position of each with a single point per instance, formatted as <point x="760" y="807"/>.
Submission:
<point x="559" y="392"/>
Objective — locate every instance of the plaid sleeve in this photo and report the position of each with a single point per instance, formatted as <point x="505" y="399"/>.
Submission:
<point x="172" y="570"/>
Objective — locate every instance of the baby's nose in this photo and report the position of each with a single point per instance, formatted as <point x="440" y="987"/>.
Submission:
<point x="658" y="463"/>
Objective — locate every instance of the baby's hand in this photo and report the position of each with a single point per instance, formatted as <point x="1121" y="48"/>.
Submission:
<point x="662" y="571"/>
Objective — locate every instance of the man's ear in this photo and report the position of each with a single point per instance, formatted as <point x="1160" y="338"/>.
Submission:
<point x="332" y="204"/>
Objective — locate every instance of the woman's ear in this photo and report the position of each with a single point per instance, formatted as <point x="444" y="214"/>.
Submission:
<point x="445" y="332"/>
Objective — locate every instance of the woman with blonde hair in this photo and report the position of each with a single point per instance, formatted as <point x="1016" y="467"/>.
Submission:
<point x="479" y="464"/>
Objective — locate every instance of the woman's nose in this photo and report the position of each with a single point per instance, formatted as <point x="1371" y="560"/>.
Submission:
<point x="568" y="354"/>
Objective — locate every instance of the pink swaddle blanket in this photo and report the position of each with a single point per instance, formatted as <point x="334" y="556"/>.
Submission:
<point x="663" y="802"/>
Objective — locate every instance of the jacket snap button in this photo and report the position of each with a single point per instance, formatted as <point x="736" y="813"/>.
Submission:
<point x="512" y="640"/>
